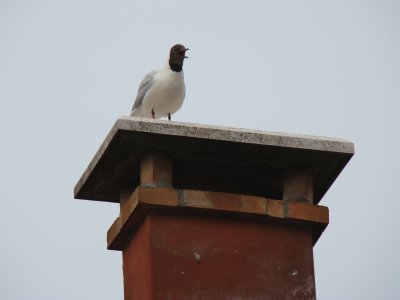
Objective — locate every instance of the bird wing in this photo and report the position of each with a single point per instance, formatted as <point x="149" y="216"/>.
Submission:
<point x="145" y="85"/>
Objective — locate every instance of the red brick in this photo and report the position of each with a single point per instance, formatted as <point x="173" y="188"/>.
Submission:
<point x="225" y="201"/>
<point x="158" y="196"/>
<point x="275" y="208"/>
<point x="309" y="212"/>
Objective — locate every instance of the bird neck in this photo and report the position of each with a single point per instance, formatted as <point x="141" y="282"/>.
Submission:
<point x="175" y="64"/>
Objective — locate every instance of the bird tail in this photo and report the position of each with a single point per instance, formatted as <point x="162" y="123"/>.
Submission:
<point x="137" y="112"/>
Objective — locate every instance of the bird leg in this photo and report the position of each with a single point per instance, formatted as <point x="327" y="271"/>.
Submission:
<point x="169" y="117"/>
<point x="153" y="114"/>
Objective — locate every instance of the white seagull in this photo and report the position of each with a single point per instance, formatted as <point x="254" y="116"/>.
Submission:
<point x="161" y="93"/>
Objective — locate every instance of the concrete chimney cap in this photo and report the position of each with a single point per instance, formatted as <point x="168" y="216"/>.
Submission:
<point x="211" y="158"/>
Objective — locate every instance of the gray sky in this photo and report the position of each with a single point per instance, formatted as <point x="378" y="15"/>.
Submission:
<point x="69" y="69"/>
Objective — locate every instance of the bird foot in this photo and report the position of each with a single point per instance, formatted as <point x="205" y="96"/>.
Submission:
<point x="153" y="114"/>
<point x="169" y="117"/>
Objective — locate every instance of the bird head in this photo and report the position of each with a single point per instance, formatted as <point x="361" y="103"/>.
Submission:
<point x="177" y="54"/>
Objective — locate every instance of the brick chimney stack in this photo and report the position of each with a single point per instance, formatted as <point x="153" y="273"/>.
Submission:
<point x="211" y="212"/>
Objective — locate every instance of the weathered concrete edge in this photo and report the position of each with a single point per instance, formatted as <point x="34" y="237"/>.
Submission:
<point x="237" y="135"/>
<point x="95" y="159"/>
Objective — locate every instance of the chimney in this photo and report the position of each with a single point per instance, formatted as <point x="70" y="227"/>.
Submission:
<point x="211" y="212"/>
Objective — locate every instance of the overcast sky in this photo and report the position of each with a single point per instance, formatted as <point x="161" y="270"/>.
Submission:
<point x="69" y="69"/>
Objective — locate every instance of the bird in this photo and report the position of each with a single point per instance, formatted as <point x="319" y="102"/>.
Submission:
<point x="161" y="92"/>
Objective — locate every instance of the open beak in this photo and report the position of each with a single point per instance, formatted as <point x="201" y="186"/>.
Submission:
<point x="186" y="49"/>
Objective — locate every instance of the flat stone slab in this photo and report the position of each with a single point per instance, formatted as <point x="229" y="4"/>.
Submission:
<point x="211" y="158"/>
